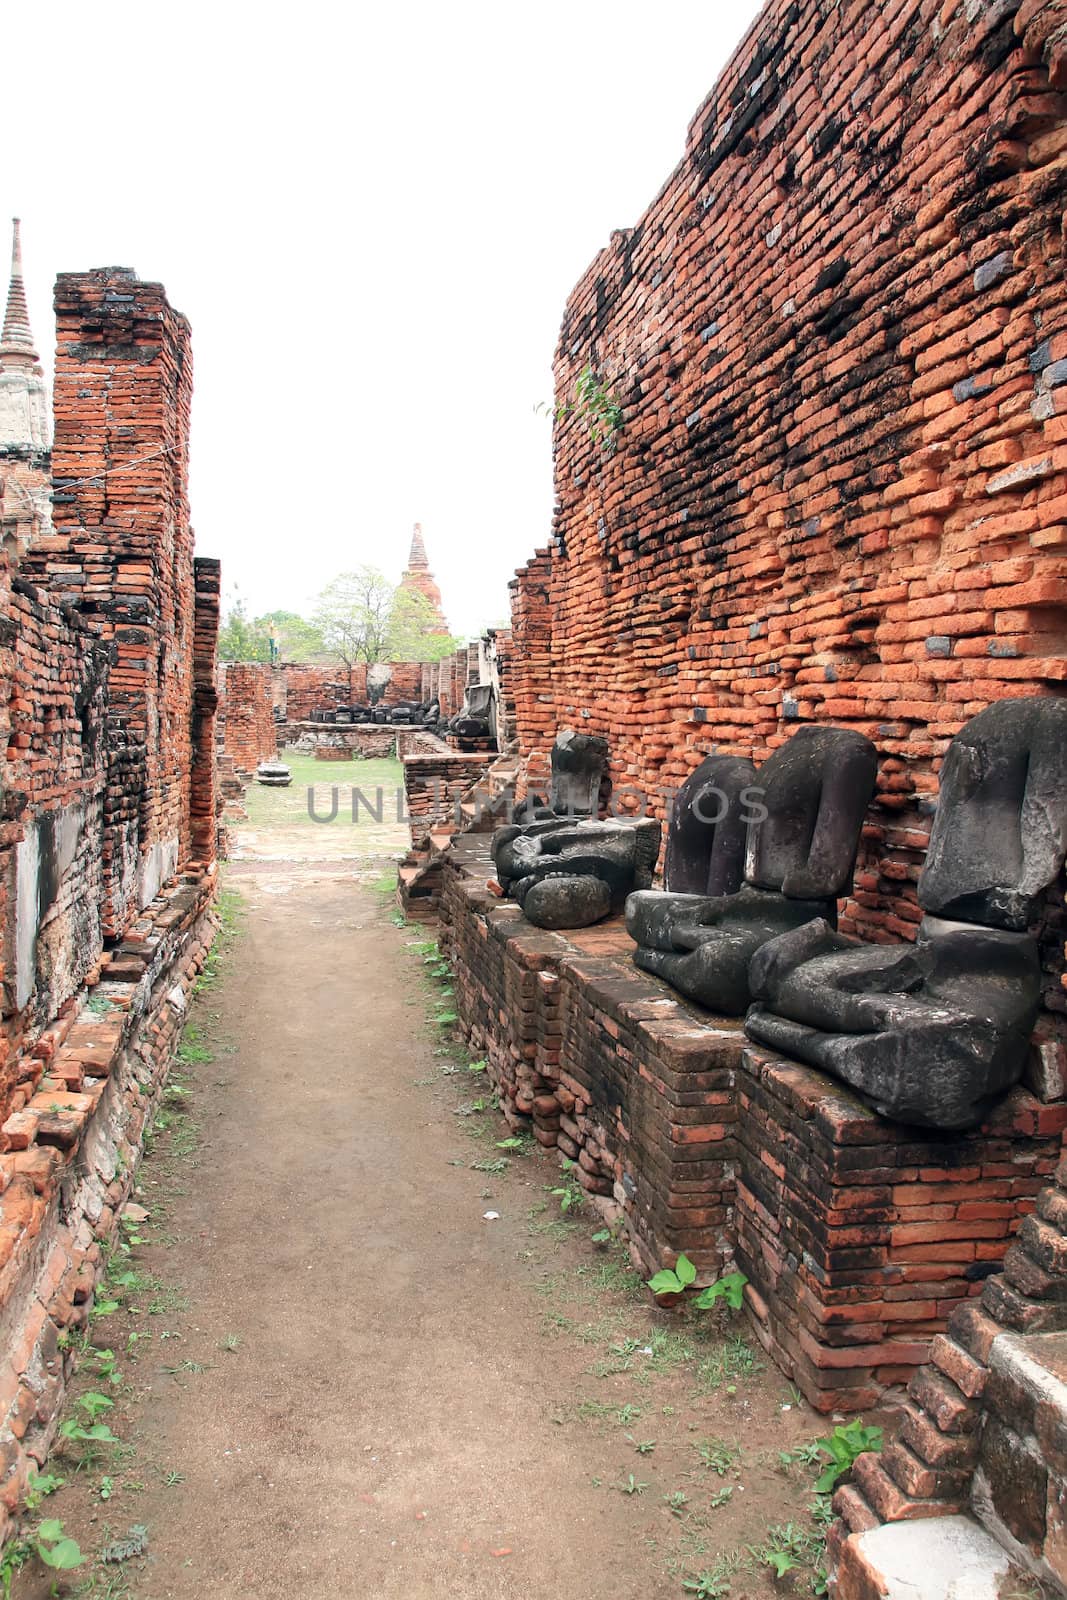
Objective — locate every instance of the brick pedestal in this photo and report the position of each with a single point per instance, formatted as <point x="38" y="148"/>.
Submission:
<point x="859" y="1237"/>
<point x="862" y="1236"/>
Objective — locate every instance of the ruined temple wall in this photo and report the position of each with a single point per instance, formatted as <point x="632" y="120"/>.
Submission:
<point x="121" y="549"/>
<point x="839" y="492"/>
<point x="53" y="684"/>
<point x="249" y="731"/>
<point x="301" y="687"/>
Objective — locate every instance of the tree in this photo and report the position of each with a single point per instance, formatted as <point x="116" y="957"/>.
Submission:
<point x="292" y="637"/>
<point x="240" y="638"/>
<point x="362" y="617"/>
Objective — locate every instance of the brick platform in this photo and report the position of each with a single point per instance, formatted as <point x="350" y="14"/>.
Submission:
<point x="862" y="1236"/>
<point x="859" y="1238"/>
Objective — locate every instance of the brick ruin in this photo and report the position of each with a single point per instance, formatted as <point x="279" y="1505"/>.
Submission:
<point x="838" y="494"/>
<point x="110" y="808"/>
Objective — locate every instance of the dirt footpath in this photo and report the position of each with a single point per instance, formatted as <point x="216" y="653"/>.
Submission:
<point x="382" y="1427"/>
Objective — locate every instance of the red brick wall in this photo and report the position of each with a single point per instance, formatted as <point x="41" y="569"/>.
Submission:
<point x="839" y="338"/>
<point x="122" y="549"/>
<point x="305" y="688"/>
<point x="53" y="687"/>
<point x="248" y="729"/>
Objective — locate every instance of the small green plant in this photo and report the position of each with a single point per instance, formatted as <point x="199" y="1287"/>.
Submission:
<point x="570" y="1197"/>
<point x="847" y="1442"/>
<point x="804" y="1455"/>
<point x="631" y="1485"/>
<point x="676" y="1281"/>
<point x="40" y="1486"/>
<point x="707" y="1586"/>
<point x="716" y="1455"/>
<point x="134" y="1544"/>
<point x="598" y="408"/>
<point x="86" y="1431"/>
<point x="721" y="1497"/>
<point x="106" y="1488"/>
<point x="644" y="1447"/>
<point x="676" y="1502"/>
<point x="477" y="1066"/>
<point x="731" y="1288"/>
<point x="230" y="1343"/>
<point x="52" y="1547"/>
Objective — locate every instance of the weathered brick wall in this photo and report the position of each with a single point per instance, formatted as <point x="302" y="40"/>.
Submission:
<point x="53" y="684"/>
<point x="122" y="551"/>
<point x="249" y="731"/>
<point x="301" y="687"/>
<point x="840" y="490"/>
<point x="205" y="799"/>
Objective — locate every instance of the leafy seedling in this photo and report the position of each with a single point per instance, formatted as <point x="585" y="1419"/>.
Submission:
<point x="54" y="1548"/>
<point x="41" y="1485"/>
<point x="630" y="1485"/>
<point x="731" y="1288"/>
<point x="706" y="1586"/>
<point x="843" y="1446"/>
<point x="676" y="1281"/>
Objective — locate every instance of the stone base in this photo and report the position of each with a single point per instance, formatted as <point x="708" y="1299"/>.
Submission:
<point x="940" y="1558"/>
<point x="373" y="740"/>
<point x="862" y="1236"/>
<point x="859" y="1237"/>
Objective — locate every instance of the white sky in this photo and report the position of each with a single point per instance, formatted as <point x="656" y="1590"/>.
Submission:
<point x="372" y="219"/>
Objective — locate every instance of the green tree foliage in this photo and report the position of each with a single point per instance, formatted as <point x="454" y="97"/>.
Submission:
<point x="240" y="637"/>
<point x="359" y="617"/>
<point x="276" y="636"/>
<point x="362" y="617"/>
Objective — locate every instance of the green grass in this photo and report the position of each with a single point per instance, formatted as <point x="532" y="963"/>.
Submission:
<point x="268" y="807"/>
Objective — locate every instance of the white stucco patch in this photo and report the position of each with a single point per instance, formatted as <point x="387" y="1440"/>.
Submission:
<point x="939" y="1558"/>
<point x="159" y="862"/>
<point x="27" y="918"/>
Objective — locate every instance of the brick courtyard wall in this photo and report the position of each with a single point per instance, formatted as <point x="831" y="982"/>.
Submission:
<point x="301" y="687"/>
<point x="122" y="551"/>
<point x="249" y="732"/>
<point x="205" y="804"/>
<point x="840" y="489"/>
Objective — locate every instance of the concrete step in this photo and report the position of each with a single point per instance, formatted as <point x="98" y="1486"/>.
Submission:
<point x="937" y="1558"/>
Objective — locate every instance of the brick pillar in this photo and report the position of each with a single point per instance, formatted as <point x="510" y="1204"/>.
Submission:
<point x="204" y="793"/>
<point x="122" y="551"/>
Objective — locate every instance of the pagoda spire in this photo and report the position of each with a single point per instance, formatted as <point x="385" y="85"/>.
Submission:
<point x="417" y="560"/>
<point x="16" y="343"/>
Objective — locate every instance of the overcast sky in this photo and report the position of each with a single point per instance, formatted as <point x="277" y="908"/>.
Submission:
<point x="372" y="219"/>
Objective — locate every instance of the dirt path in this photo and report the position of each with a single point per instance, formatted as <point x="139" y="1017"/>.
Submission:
<point x="346" y="1381"/>
<point x="382" y="1427"/>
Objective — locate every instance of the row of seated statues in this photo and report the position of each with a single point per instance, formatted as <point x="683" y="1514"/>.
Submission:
<point x="930" y="1033"/>
<point x="405" y="712"/>
<point x="474" y="720"/>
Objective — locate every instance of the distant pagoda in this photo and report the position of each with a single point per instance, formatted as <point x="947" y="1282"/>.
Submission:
<point x="420" y="580"/>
